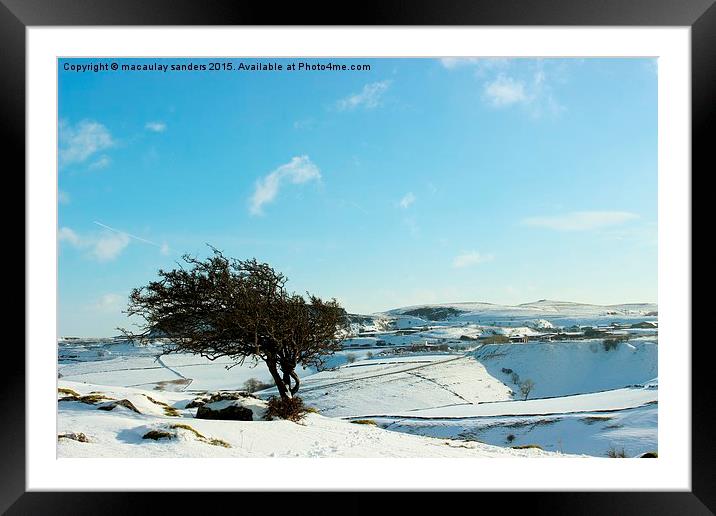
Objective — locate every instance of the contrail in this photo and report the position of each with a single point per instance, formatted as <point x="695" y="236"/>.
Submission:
<point x="135" y="237"/>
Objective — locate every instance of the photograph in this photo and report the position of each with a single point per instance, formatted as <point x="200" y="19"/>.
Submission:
<point x="370" y="257"/>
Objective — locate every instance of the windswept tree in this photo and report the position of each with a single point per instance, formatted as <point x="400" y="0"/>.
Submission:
<point x="238" y="309"/>
<point x="526" y="387"/>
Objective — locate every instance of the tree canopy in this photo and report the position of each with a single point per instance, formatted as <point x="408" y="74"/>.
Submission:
<point x="225" y="307"/>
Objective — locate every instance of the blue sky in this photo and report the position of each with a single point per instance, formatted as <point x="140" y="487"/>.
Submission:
<point x="419" y="181"/>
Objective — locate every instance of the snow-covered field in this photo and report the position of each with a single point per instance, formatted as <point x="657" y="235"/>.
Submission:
<point x="430" y="381"/>
<point x="119" y="433"/>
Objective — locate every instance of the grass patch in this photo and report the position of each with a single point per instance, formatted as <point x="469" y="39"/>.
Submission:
<point x="94" y="398"/>
<point x="364" y="422"/>
<point x="200" y="436"/>
<point x="458" y="445"/>
<point x="526" y="447"/>
<point x="168" y="409"/>
<point x="291" y="409"/>
<point x="158" y="434"/>
<point x="312" y="410"/>
<point x="123" y="403"/>
<point x="614" y="453"/>
<point x="75" y="436"/>
<point x="190" y="429"/>
<point x="68" y="392"/>
<point x="89" y="399"/>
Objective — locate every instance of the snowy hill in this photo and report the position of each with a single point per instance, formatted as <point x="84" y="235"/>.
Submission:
<point x="543" y="309"/>
<point x="121" y="432"/>
<point x="432" y="380"/>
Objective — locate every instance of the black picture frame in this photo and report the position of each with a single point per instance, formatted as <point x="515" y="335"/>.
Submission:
<point x="699" y="15"/>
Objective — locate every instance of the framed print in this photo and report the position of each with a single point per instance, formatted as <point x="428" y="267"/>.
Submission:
<point x="429" y="249"/>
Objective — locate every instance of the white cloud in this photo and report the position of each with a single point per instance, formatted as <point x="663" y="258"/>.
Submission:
<point x="63" y="197"/>
<point x="580" y="220"/>
<point x="103" y="247"/>
<point x="369" y="97"/>
<point x="470" y="258"/>
<point x="109" y="245"/>
<point x="68" y="235"/>
<point x="102" y="162"/>
<point x="532" y="90"/>
<point x="515" y="82"/>
<point x="306" y="123"/>
<point x="407" y="200"/>
<point x="156" y="127"/>
<point x="412" y="225"/>
<point x="455" y="62"/>
<point x="109" y="303"/>
<point x="79" y="142"/>
<point x="481" y="65"/>
<point x="505" y="91"/>
<point x="297" y="171"/>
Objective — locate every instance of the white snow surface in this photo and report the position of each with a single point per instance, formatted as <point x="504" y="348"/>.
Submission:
<point x="587" y="398"/>
<point x="119" y="433"/>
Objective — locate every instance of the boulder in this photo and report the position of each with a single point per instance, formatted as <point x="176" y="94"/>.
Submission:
<point x="228" y="410"/>
<point x="124" y="403"/>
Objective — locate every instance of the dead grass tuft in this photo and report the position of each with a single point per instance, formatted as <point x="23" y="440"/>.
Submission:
<point x="526" y="447"/>
<point x="68" y="392"/>
<point x="158" y="434"/>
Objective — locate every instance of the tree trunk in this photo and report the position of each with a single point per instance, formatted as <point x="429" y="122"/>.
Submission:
<point x="280" y="384"/>
<point x="297" y="383"/>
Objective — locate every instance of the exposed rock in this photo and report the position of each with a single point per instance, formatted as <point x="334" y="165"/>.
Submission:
<point x="158" y="434"/>
<point x="227" y="395"/>
<point x="225" y="410"/>
<point x="219" y="396"/>
<point x="75" y="436"/>
<point x="124" y="403"/>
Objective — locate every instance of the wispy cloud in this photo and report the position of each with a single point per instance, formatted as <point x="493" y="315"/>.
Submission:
<point x="305" y="123"/>
<point x="156" y="127"/>
<point x="79" y="142"/>
<point x="105" y="245"/>
<point x="456" y="62"/>
<point x="297" y="171"/>
<point x="68" y="235"/>
<point x="505" y="91"/>
<point x="369" y="97"/>
<point x="469" y="259"/>
<point x="163" y="247"/>
<point x="533" y="91"/>
<point x="109" y="245"/>
<point x="412" y="225"/>
<point x="407" y="200"/>
<point x="100" y="163"/>
<point x="63" y="197"/>
<point x="511" y="82"/>
<point x="481" y="65"/>
<point x="580" y="220"/>
<point x="110" y="302"/>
